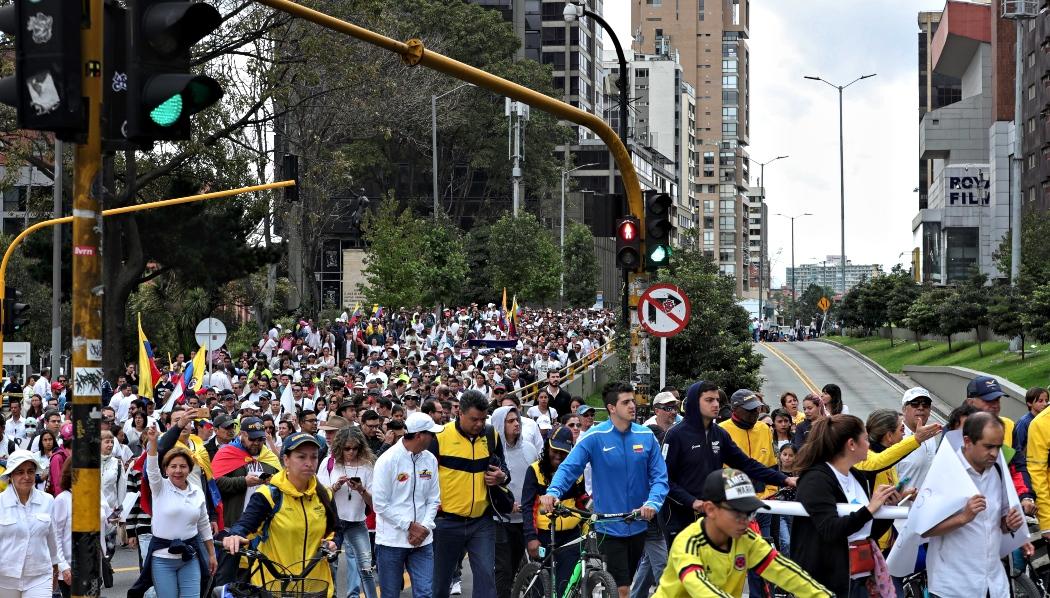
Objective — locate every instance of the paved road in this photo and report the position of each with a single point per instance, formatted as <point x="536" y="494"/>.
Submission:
<point x="807" y="366"/>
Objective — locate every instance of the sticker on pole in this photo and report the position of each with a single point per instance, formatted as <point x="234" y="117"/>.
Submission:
<point x="664" y="310"/>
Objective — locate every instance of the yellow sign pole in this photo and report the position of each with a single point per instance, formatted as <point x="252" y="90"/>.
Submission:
<point x="17" y="241"/>
<point x="413" y="53"/>
<point x="87" y="321"/>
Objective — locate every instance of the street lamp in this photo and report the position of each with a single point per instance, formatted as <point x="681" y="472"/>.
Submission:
<point x="564" y="174"/>
<point x="762" y="243"/>
<point x="434" y="141"/>
<point x="574" y="10"/>
<point x="794" y="295"/>
<point x="842" y="172"/>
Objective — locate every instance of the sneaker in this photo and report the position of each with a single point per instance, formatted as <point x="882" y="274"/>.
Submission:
<point x="457" y="589"/>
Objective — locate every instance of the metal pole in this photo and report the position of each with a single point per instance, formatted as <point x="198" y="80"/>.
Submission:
<point x="762" y="242"/>
<point x="516" y="175"/>
<point x="434" y="150"/>
<point x="87" y="326"/>
<point x="1015" y="164"/>
<point x="842" y="195"/>
<point x="561" y="276"/>
<point x="794" y="297"/>
<point x="663" y="361"/>
<point x="56" y="265"/>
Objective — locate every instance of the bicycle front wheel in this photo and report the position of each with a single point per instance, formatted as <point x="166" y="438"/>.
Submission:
<point x="600" y="584"/>
<point x="532" y="581"/>
<point x="1023" y="587"/>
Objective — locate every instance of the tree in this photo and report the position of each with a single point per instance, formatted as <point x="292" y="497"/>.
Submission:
<point x="873" y="300"/>
<point x="923" y="317"/>
<point x="1005" y="313"/>
<point x="715" y="345"/>
<point x="849" y="308"/>
<point x="972" y="305"/>
<point x="903" y="294"/>
<point x="1035" y="253"/>
<point x="523" y="258"/>
<point x="951" y="319"/>
<point x="807" y="309"/>
<point x="580" y="266"/>
<point x="1037" y="315"/>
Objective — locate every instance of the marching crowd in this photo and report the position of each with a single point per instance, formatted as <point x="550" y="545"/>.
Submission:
<point x="403" y="439"/>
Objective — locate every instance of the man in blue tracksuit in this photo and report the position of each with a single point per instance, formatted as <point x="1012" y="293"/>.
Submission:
<point x="628" y="474"/>
<point x="696" y="447"/>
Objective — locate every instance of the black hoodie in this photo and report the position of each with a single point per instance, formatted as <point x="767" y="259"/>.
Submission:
<point x="692" y="452"/>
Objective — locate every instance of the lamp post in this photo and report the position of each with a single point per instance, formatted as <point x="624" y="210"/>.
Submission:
<point x="794" y="295"/>
<point x="564" y="174"/>
<point x="762" y="243"/>
<point x="434" y="141"/>
<point x="842" y="171"/>
<point x="574" y="10"/>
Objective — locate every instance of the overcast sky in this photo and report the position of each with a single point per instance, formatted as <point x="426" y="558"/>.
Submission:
<point x="838" y="40"/>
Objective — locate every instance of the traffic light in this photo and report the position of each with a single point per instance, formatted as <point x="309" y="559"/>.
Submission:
<point x="162" y="92"/>
<point x="657" y="230"/>
<point x="290" y="172"/>
<point x="16" y="314"/>
<point x="46" y="88"/>
<point x="628" y="243"/>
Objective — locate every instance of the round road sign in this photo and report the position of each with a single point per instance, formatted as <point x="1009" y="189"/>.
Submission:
<point x="664" y="310"/>
<point x="210" y="333"/>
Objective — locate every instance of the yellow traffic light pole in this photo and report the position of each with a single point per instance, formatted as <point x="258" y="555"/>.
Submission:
<point x="413" y="53"/>
<point x="17" y="241"/>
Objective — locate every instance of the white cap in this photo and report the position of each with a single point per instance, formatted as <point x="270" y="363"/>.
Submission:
<point x="249" y="404"/>
<point x="421" y="422"/>
<point x="544" y="422"/>
<point x="663" y="398"/>
<point x="17" y="458"/>
<point x="914" y="393"/>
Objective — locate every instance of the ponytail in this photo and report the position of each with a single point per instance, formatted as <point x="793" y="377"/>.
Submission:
<point x="828" y="439"/>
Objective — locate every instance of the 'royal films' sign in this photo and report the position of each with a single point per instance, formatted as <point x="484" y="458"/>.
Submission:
<point x="967" y="185"/>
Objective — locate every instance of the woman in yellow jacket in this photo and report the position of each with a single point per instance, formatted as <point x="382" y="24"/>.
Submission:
<point x="291" y="516"/>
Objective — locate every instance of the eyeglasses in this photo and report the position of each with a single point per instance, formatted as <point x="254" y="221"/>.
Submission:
<point x="351" y="448"/>
<point x="573" y="425"/>
<point x="741" y="516"/>
<point x="918" y="404"/>
<point x="667" y="407"/>
<point x="311" y="421"/>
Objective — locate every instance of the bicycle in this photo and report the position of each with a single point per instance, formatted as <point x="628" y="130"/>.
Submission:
<point x="285" y="583"/>
<point x="589" y="578"/>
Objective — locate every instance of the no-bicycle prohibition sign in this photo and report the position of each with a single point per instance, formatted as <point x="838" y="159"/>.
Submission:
<point x="663" y="310"/>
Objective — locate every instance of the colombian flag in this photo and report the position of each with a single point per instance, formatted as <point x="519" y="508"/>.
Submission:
<point x="149" y="374"/>
<point x="193" y="377"/>
<point x="514" y="318"/>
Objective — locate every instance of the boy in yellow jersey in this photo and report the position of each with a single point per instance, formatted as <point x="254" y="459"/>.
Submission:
<point x="711" y="557"/>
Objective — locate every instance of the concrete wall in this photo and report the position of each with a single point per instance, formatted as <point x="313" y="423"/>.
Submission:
<point x="949" y="384"/>
<point x="908" y="335"/>
<point x="593" y="379"/>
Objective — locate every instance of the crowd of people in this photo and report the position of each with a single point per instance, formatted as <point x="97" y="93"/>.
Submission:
<point x="403" y="439"/>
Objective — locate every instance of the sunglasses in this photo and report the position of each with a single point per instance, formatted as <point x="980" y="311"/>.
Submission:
<point x="572" y="425"/>
<point x="667" y="407"/>
<point x="919" y="403"/>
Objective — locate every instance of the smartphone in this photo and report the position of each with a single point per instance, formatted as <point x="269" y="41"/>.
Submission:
<point x="901" y="484"/>
<point x="265" y="476"/>
<point x="355" y="480"/>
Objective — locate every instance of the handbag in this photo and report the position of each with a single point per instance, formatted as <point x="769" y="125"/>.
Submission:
<point x="861" y="557"/>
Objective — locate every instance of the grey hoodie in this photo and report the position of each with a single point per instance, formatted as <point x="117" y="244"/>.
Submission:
<point x="519" y="456"/>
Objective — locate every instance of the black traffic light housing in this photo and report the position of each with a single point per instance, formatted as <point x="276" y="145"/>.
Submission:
<point x="162" y="92"/>
<point x="290" y="172"/>
<point x="46" y="87"/>
<point x="15" y="313"/>
<point x="628" y="243"/>
<point x="657" y="230"/>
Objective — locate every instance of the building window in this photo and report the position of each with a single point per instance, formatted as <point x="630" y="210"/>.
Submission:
<point x="729" y="81"/>
<point x="654" y="2"/>
<point x="962" y="252"/>
<point x="709" y="206"/>
<point x="728" y="269"/>
<point x="700" y="10"/>
<point x="1031" y="162"/>
<point x="1031" y="92"/>
<point x="641" y="73"/>
<point x="1031" y="125"/>
<point x="709" y="238"/>
<point x="1031" y="59"/>
<point x="725" y="222"/>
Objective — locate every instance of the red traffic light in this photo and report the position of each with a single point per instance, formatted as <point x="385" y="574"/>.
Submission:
<point x="628" y="230"/>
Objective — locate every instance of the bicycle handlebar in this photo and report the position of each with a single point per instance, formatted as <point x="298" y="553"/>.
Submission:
<point x="561" y="510"/>
<point x="280" y="571"/>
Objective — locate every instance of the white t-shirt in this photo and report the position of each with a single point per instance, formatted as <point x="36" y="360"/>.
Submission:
<point x="855" y="495"/>
<point x="348" y="502"/>
<point x="551" y="415"/>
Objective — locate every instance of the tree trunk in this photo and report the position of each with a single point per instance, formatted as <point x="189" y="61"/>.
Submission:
<point x="122" y="264"/>
<point x="980" y="348"/>
<point x="949" y="343"/>
<point x="918" y="340"/>
<point x="1022" y="347"/>
<point x="891" y="335"/>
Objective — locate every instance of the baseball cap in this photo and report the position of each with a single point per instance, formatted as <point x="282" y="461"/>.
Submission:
<point x="294" y="441"/>
<point x="334" y="422"/>
<point x="544" y="422"/>
<point x="584" y="410"/>
<point x="254" y="427"/>
<point x="985" y="388"/>
<point x="734" y="488"/>
<point x="561" y="440"/>
<point x="914" y="393"/>
<point x="249" y="404"/>
<point x="664" y="398"/>
<point x="744" y="398"/>
<point x="224" y="421"/>
<point x="421" y="422"/>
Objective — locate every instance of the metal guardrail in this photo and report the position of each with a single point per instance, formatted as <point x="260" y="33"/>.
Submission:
<point x="569" y="372"/>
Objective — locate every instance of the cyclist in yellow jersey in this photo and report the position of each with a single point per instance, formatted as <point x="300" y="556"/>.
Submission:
<point x="711" y="557"/>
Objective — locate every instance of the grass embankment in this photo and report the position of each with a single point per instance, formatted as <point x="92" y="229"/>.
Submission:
<point x="1034" y="370"/>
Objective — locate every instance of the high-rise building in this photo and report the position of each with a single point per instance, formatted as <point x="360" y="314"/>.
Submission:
<point x="935" y="90"/>
<point x="758" y="242"/>
<point x="828" y="274"/>
<point x="1035" y="178"/>
<point x="710" y="40"/>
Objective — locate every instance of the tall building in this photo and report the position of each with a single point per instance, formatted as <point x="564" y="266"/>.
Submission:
<point x="935" y="90"/>
<point x="828" y="274"/>
<point x="1035" y="178"/>
<point x="27" y="198"/>
<point x="966" y="144"/>
<point x="709" y="38"/>
<point x="758" y="243"/>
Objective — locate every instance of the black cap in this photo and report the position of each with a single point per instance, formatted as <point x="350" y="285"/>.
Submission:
<point x="254" y="427"/>
<point x="561" y="440"/>
<point x="734" y="488"/>
<point x="744" y="398"/>
<point x="224" y="421"/>
<point x="294" y="441"/>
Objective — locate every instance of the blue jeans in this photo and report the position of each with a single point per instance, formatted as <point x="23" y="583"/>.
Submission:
<point x="143" y="544"/>
<point x="755" y="583"/>
<point x="353" y="538"/>
<point x="176" y="578"/>
<point x="651" y="567"/>
<point x="392" y="563"/>
<point x="785" y="535"/>
<point x="475" y="536"/>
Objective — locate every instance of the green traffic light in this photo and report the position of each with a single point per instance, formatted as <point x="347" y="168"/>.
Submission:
<point x="659" y="254"/>
<point x="168" y="112"/>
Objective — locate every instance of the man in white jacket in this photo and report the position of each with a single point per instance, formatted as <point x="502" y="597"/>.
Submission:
<point x="405" y="497"/>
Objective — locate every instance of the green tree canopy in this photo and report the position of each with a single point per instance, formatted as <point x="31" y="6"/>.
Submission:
<point x="523" y="258"/>
<point x="581" y="266"/>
